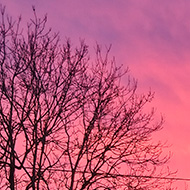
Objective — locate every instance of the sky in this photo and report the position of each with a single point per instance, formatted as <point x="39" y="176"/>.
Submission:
<point x="151" y="37"/>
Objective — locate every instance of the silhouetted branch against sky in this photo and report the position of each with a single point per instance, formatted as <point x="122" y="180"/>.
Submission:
<point x="67" y="122"/>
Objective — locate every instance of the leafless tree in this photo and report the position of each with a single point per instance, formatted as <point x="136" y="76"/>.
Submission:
<point x="68" y="123"/>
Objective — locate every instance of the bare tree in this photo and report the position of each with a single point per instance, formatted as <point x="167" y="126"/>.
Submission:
<point x="67" y="123"/>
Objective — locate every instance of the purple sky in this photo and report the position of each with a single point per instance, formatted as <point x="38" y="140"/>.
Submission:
<point x="152" y="37"/>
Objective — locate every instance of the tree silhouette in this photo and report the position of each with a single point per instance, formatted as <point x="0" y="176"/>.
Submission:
<point x="67" y="123"/>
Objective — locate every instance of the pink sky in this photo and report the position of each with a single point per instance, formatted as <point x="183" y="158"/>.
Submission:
<point x="151" y="37"/>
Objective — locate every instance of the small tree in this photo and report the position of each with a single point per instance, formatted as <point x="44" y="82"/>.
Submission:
<point x="66" y="123"/>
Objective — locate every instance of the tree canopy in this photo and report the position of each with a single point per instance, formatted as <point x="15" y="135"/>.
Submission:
<point x="69" y="122"/>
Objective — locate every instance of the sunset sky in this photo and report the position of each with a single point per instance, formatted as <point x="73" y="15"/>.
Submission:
<point x="151" y="37"/>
